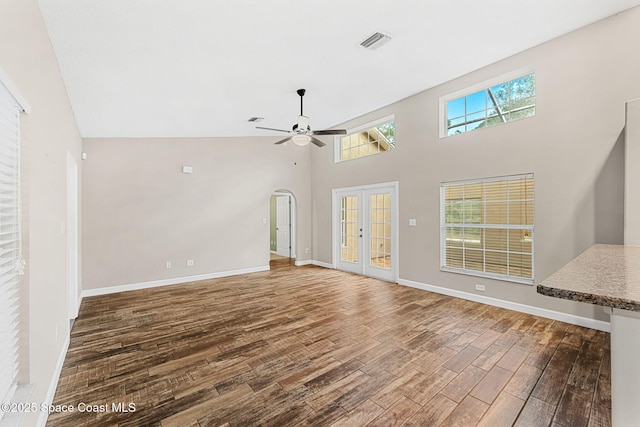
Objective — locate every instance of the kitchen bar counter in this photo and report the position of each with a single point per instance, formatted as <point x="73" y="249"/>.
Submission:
<point x="606" y="275"/>
<point x="609" y="276"/>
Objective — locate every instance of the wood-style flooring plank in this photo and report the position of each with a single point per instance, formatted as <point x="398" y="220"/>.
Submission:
<point x="432" y="413"/>
<point x="492" y="384"/>
<point x="399" y="388"/>
<point x="574" y="407"/>
<point x="467" y="413"/>
<point x="536" y="412"/>
<point x="360" y="415"/>
<point x="523" y="381"/>
<point x="397" y="414"/>
<point x="503" y="412"/>
<point x="458" y="388"/>
<point x="431" y="385"/>
<point x="309" y="346"/>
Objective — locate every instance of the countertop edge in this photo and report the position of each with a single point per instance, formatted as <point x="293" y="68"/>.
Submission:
<point x="605" y="301"/>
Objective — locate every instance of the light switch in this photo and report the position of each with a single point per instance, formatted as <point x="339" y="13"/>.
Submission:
<point x="412" y="222"/>
<point x="187" y="169"/>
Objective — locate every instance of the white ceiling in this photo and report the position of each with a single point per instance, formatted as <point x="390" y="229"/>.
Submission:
<point x="190" y="68"/>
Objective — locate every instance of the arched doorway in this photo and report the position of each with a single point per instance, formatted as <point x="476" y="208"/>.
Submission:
<point x="282" y="234"/>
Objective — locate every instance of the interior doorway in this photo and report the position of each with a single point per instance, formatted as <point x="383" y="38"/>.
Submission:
<point x="282" y="225"/>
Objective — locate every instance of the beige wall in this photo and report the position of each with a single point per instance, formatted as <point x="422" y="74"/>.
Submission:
<point x="573" y="146"/>
<point x="140" y="210"/>
<point x="27" y="57"/>
<point x="632" y="174"/>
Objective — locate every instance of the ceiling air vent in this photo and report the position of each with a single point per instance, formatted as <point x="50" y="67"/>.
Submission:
<point x="255" y="119"/>
<point x="375" y="40"/>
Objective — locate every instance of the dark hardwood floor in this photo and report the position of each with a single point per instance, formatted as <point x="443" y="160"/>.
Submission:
<point x="298" y="346"/>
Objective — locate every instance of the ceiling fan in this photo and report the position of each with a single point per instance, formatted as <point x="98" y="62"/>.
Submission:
<point x="302" y="133"/>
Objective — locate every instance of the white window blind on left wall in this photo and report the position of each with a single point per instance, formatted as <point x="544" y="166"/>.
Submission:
<point x="11" y="262"/>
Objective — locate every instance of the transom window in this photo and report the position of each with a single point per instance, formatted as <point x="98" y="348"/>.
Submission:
<point x="373" y="138"/>
<point x="487" y="227"/>
<point x="492" y="105"/>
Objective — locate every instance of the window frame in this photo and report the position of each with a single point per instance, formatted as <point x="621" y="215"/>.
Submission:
<point x="484" y="226"/>
<point x="503" y="78"/>
<point x="337" y="141"/>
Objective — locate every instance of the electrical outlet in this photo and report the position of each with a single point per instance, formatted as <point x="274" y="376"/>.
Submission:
<point x="190" y="263"/>
<point x="168" y="264"/>
<point x="306" y="250"/>
<point x="480" y="288"/>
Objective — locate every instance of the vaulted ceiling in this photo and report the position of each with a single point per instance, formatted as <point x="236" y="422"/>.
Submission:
<point x="190" y="68"/>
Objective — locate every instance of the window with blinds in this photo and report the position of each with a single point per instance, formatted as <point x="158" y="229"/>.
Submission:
<point x="10" y="259"/>
<point x="487" y="227"/>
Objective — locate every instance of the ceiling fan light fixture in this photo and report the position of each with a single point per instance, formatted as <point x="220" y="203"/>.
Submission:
<point x="301" y="140"/>
<point x="301" y="133"/>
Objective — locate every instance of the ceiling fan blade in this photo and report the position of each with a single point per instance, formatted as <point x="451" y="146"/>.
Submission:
<point x="317" y="142"/>
<point x="277" y="130"/>
<point x="282" y="141"/>
<point x="329" y="132"/>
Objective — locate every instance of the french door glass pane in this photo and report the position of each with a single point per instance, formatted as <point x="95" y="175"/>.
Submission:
<point x="380" y="230"/>
<point x="349" y="228"/>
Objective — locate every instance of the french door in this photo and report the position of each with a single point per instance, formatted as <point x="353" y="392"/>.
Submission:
<point x="365" y="230"/>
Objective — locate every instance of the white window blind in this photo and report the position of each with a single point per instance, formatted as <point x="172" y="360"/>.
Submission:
<point x="11" y="263"/>
<point x="487" y="227"/>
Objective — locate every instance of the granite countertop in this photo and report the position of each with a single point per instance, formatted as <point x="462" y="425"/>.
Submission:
<point x="606" y="275"/>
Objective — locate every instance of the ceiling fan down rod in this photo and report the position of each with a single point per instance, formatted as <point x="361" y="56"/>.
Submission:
<point x="301" y="92"/>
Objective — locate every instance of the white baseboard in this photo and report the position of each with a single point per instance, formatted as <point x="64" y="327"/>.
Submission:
<point x="53" y="383"/>
<point x="313" y="262"/>
<point x="537" y="311"/>
<point x="79" y="304"/>
<point x="165" y="282"/>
